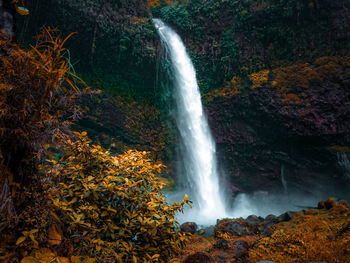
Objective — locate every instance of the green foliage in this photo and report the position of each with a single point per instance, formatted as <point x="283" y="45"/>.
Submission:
<point x="115" y="39"/>
<point x="176" y="15"/>
<point x="230" y="52"/>
<point x="112" y="206"/>
<point x="226" y="36"/>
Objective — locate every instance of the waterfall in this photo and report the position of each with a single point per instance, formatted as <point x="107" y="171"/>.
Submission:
<point x="283" y="180"/>
<point x="344" y="162"/>
<point x="198" y="146"/>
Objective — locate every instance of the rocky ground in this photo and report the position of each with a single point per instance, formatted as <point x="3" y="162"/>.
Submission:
<point x="321" y="234"/>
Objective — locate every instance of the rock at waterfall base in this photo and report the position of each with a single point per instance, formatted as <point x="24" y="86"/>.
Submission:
<point x="325" y="231"/>
<point x="189" y="227"/>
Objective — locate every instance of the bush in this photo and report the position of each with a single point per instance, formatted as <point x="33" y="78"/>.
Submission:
<point x="83" y="205"/>
<point x="38" y="89"/>
<point x="111" y="207"/>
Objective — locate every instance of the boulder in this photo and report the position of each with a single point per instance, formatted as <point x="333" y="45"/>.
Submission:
<point x="267" y="228"/>
<point x="207" y="231"/>
<point x="222" y="243"/>
<point x="271" y="218"/>
<point x="287" y="216"/>
<point x="235" y="227"/>
<point x="189" y="227"/>
<point x="241" y="248"/>
<point x="253" y="219"/>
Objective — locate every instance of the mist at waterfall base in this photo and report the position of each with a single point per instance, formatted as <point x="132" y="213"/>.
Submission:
<point x="211" y="199"/>
<point x="259" y="203"/>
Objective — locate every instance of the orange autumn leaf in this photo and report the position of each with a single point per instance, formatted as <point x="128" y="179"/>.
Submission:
<point x="54" y="237"/>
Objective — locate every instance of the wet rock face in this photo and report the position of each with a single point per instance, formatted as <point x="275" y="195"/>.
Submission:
<point x="262" y="137"/>
<point x="6" y="17"/>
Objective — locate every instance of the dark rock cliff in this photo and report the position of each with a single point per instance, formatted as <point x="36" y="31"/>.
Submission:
<point x="295" y="127"/>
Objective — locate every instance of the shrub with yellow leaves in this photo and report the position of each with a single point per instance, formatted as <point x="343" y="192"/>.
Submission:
<point x="38" y="91"/>
<point x="231" y="88"/>
<point x="156" y="3"/>
<point x="111" y="207"/>
<point x="259" y="78"/>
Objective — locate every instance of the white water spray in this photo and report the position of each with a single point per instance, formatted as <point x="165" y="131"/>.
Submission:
<point x="199" y="148"/>
<point x="344" y="162"/>
<point x="283" y="180"/>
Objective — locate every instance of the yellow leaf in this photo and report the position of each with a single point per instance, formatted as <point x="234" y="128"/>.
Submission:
<point x="63" y="260"/>
<point x="28" y="260"/>
<point x="75" y="259"/>
<point x="118" y="258"/>
<point x="33" y="239"/>
<point x="104" y="213"/>
<point x="54" y="237"/>
<point x="89" y="260"/>
<point x="155" y="256"/>
<point x="20" y="240"/>
<point x="55" y="216"/>
<point x="134" y="259"/>
<point x="33" y="231"/>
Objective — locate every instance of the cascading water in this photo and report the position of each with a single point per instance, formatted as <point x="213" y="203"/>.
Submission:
<point x="283" y="180"/>
<point x="198" y="153"/>
<point x="344" y="162"/>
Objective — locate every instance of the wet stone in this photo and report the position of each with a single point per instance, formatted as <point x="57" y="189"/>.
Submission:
<point x="241" y="248"/>
<point x="207" y="232"/>
<point x="271" y="218"/>
<point x="287" y="216"/>
<point x="222" y="244"/>
<point x="189" y="227"/>
<point x="253" y="219"/>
